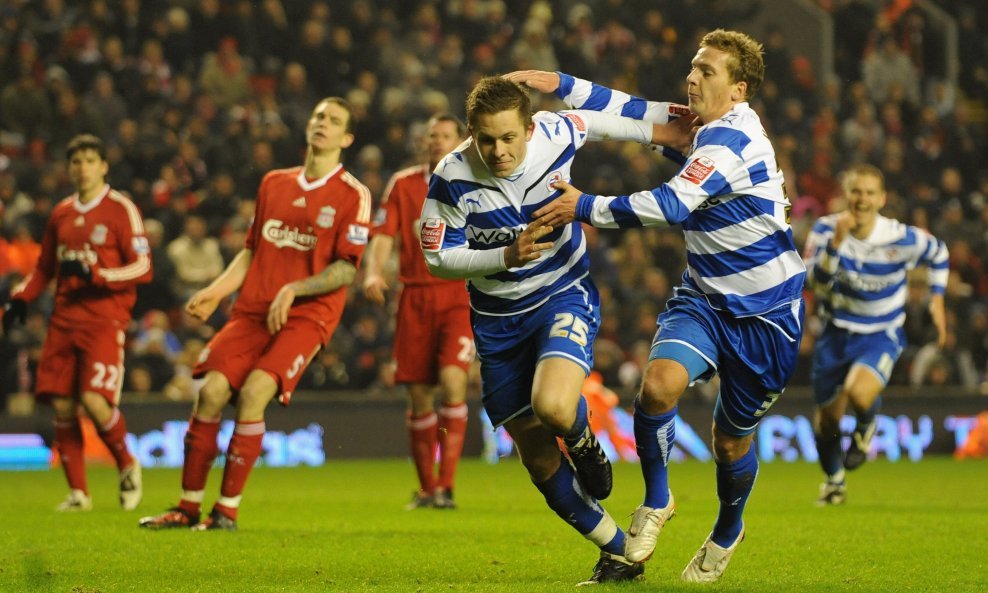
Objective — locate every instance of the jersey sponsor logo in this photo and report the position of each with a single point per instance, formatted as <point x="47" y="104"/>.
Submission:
<point x="98" y="236"/>
<point x="698" y="170"/>
<point x="551" y="178"/>
<point x="282" y="236"/>
<point x="85" y="254"/>
<point x="79" y="221"/>
<point x="492" y="236"/>
<point x="140" y="245"/>
<point x="357" y="234"/>
<point x="327" y="214"/>
<point x="431" y="234"/>
<point x="299" y="202"/>
<point x="578" y="122"/>
<point x="678" y="110"/>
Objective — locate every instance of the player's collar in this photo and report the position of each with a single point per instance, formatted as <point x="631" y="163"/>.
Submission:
<point x="307" y="185"/>
<point x="80" y="207"/>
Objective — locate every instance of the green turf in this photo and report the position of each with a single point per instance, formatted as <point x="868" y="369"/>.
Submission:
<point x="906" y="527"/>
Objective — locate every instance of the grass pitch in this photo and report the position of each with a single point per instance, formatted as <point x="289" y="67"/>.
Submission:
<point x="907" y="527"/>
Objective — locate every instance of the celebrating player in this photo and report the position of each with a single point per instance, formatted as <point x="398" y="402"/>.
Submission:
<point x="535" y="309"/>
<point x="94" y="247"/>
<point x="433" y="338"/>
<point x="857" y="261"/>
<point x="309" y="232"/>
<point x="739" y="310"/>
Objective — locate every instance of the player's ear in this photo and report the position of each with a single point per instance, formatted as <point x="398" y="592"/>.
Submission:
<point x="105" y="168"/>
<point x="740" y="91"/>
<point x="347" y="140"/>
<point x="529" y="131"/>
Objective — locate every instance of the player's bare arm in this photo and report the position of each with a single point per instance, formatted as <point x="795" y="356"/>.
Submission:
<point x="526" y="247"/>
<point x="540" y="80"/>
<point x="203" y="303"/>
<point x="337" y="274"/>
<point x="375" y="285"/>
<point x="562" y="210"/>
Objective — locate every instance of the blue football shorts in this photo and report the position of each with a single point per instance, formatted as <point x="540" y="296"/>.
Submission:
<point x="510" y="347"/>
<point x="837" y="350"/>
<point x="754" y="356"/>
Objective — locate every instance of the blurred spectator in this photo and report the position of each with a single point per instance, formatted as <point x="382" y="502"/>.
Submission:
<point x="196" y="258"/>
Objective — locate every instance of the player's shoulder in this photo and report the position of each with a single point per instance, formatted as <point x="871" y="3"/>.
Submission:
<point x="456" y="164"/>
<point x="825" y="223"/>
<point x="286" y="174"/>
<point x="414" y="172"/>
<point x="559" y="128"/>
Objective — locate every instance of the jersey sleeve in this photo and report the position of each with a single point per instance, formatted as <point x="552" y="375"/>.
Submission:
<point x="577" y="93"/>
<point x="387" y="218"/>
<point x="443" y="235"/>
<point x="715" y="159"/>
<point x="820" y="258"/>
<point x="135" y="252"/>
<point x="933" y="252"/>
<point x="354" y="233"/>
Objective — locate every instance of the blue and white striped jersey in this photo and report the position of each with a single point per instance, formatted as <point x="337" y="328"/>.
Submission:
<point x="469" y="208"/>
<point x="729" y="197"/>
<point x="862" y="286"/>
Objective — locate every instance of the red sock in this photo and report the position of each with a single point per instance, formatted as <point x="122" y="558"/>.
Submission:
<point x="422" y="437"/>
<point x="452" y="431"/>
<point x="200" y="451"/>
<point x="241" y="455"/>
<point x="68" y="443"/>
<point x="114" y="435"/>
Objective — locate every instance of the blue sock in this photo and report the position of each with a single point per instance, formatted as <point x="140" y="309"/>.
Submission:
<point x="868" y="416"/>
<point x="830" y="454"/>
<point x="734" y="484"/>
<point x="654" y="436"/>
<point x="563" y="495"/>
<point x="580" y="426"/>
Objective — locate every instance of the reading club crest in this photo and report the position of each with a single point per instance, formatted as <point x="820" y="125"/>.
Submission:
<point x="552" y="178"/>
<point x="99" y="234"/>
<point x="326" y="216"/>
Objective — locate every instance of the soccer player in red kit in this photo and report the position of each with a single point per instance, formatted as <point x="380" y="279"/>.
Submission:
<point x="310" y="228"/>
<point x="433" y="337"/>
<point x="95" y="249"/>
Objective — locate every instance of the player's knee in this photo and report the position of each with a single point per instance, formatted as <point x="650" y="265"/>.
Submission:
<point x="213" y="396"/>
<point x="662" y="385"/>
<point x="728" y="449"/>
<point x="555" y="415"/>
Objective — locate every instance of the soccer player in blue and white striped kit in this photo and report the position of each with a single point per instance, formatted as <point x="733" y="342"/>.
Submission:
<point x="857" y="261"/>
<point x="534" y="308"/>
<point x="739" y="309"/>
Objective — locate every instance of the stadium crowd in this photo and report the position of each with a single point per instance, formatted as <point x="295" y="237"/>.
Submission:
<point x="196" y="101"/>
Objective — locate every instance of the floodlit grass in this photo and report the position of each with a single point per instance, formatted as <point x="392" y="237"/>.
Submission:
<point x="906" y="528"/>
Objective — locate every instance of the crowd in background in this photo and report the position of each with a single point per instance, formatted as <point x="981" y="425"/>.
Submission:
<point x="197" y="100"/>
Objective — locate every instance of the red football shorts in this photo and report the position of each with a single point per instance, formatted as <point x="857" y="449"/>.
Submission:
<point x="80" y="358"/>
<point x="244" y="344"/>
<point x="432" y="332"/>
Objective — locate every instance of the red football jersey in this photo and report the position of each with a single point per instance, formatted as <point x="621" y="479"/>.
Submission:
<point x="299" y="228"/>
<point x="108" y="235"/>
<point x="398" y="216"/>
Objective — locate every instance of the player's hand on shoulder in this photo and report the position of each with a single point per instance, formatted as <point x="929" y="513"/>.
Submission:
<point x="14" y="311"/>
<point x="375" y="288"/>
<point x="679" y="133"/>
<point x="527" y="247"/>
<point x="540" y="80"/>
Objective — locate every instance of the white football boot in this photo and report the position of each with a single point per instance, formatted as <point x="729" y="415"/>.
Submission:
<point x="646" y="523"/>
<point x="710" y="561"/>
<point x="77" y="500"/>
<point x="131" y="487"/>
